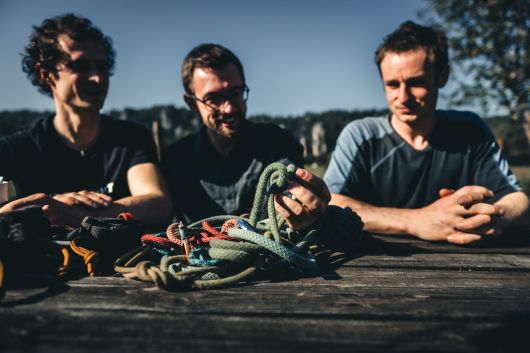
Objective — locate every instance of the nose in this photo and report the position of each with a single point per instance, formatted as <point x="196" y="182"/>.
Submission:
<point x="227" y="107"/>
<point x="403" y="94"/>
<point x="95" y="76"/>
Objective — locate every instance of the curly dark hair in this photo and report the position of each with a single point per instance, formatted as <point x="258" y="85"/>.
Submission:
<point x="213" y="56"/>
<point x="411" y="36"/>
<point x="44" y="52"/>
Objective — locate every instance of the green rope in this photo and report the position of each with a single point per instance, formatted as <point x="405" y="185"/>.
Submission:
<point x="258" y="241"/>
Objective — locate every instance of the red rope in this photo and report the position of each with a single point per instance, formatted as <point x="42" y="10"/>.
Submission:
<point x="150" y="238"/>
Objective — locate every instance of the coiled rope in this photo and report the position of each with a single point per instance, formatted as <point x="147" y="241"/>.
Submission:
<point x="224" y="250"/>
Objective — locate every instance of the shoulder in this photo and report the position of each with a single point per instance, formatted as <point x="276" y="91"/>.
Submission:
<point x="123" y="126"/>
<point x="262" y="129"/>
<point x="465" y="123"/>
<point x="270" y="133"/>
<point x="366" y="129"/>
<point x="29" y="136"/>
<point x="181" y="148"/>
<point x="125" y="133"/>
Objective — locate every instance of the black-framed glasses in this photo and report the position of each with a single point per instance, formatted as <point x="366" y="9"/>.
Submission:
<point x="85" y="66"/>
<point x="216" y="101"/>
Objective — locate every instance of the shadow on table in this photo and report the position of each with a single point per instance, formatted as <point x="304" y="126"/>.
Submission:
<point x="511" y="335"/>
<point x="37" y="287"/>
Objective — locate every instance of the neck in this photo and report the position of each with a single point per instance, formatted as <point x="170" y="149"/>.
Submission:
<point x="223" y="145"/>
<point x="79" y="130"/>
<point x="417" y="133"/>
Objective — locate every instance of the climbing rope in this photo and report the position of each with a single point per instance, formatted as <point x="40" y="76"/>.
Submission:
<point x="224" y="250"/>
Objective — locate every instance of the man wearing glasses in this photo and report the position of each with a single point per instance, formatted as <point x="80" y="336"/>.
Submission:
<point x="215" y="171"/>
<point x="77" y="162"/>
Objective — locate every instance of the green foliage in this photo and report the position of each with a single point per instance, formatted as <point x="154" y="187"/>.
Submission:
<point x="490" y="43"/>
<point x="175" y="122"/>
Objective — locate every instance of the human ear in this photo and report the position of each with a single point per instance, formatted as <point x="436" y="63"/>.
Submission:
<point x="46" y="77"/>
<point x="190" y="102"/>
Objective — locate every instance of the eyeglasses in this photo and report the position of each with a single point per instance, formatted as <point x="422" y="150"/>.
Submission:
<point x="216" y="101"/>
<point x="85" y="66"/>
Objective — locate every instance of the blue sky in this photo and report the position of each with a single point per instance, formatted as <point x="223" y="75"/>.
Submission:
<point x="298" y="56"/>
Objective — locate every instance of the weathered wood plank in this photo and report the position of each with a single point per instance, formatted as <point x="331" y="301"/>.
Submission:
<point x="394" y="295"/>
<point x="400" y="245"/>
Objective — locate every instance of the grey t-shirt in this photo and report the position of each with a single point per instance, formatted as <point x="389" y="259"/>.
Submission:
<point x="372" y="163"/>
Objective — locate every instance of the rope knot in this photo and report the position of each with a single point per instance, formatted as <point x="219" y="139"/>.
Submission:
<point x="280" y="176"/>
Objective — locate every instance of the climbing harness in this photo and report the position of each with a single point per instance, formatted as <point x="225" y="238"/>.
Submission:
<point x="225" y="250"/>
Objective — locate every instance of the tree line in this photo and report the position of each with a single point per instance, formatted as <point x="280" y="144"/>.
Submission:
<point x="318" y="132"/>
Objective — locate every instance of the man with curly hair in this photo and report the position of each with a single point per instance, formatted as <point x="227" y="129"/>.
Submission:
<point x="78" y="162"/>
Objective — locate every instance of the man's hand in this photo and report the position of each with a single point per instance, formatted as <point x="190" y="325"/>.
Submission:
<point x="460" y="216"/>
<point x="312" y="197"/>
<point x="56" y="211"/>
<point x="85" y="198"/>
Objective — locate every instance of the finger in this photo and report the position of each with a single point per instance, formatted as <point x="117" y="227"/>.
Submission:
<point x="470" y="199"/>
<point x="96" y="196"/>
<point x="296" y="215"/>
<point x="315" y="184"/>
<point x="67" y="199"/>
<point x="483" y="208"/>
<point x="85" y="201"/>
<point x="474" y="222"/>
<point x="35" y="199"/>
<point x="446" y="192"/>
<point x="307" y="198"/>
<point x="463" y="238"/>
<point x="294" y="207"/>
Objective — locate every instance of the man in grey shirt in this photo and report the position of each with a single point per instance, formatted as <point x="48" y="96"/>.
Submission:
<point x="436" y="175"/>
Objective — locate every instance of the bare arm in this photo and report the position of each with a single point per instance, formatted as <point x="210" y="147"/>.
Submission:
<point x="439" y="221"/>
<point x="149" y="201"/>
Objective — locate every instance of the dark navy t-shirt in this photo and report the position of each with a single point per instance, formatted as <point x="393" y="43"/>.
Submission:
<point x="372" y="163"/>
<point x="202" y="183"/>
<point x="37" y="159"/>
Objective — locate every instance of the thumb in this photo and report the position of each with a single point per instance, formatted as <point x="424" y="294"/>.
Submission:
<point x="446" y="192"/>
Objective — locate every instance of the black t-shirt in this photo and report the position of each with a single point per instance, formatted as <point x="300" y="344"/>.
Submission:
<point x="203" y="183"/>
<point x="37" y="159"/>
<point x="372" y="163"/>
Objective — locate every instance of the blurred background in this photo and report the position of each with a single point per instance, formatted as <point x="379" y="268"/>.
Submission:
<point x="309" y="64"/>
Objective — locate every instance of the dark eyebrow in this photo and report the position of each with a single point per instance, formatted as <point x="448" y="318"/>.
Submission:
<point x="223" y="93"/>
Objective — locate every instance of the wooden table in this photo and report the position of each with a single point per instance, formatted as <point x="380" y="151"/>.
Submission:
<point x="393" y="294"/>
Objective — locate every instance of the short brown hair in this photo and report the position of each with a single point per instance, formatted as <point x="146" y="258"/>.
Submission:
<point x="411" y="36"/>
<point x="213" y="56"/>
<point x="44" y="52"/>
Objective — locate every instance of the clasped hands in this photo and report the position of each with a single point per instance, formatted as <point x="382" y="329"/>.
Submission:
<point x="460" y="216"/>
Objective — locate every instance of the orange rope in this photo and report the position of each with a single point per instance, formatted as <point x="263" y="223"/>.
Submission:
<point x="90" y="257"/>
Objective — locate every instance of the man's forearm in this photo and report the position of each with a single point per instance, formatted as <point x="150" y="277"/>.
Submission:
<point x="382" y="220"/>
<point x="149" y="208"/>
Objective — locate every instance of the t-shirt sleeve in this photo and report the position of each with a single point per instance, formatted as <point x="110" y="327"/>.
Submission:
<point x="490" y="169"/>
<point x="143" y="148"/>
<point x="341" y="175"/>
<point x="13" y="148"/>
